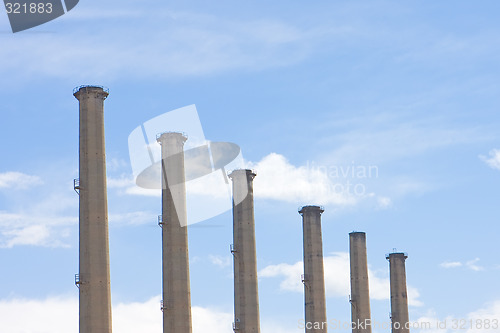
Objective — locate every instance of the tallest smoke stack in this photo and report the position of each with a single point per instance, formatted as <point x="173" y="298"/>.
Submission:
<point x="94" y="281"/>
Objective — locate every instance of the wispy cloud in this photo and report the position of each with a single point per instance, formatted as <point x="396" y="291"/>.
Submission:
<point x="35" y="229"/>
<point x="483" y="320"/>
<point x="493" y="161"/>
<point x="220" y="261"/>
<point x="18" y="180"/>
<point x="132" y="218"/>
<point x="55" y="314"/>
<point x="386" y="137"/>
<point x="195" y="45"/>
<point x="470" y="264"/>
<point x="60" y="315"/>
<point x="337" y="279"/>
<point x="125" y="184"/>
<point x="45" y="222"/>
<point x="123" y="181"/>
<point x="387" y="140"/>
<point x="451" y="264"/>
<point x="278" y="179"/>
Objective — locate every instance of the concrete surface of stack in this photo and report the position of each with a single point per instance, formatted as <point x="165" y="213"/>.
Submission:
<point x="399" y="295"/>
<point x="246" y="296"/>
<point x="176" y="305"/>
<point x="94" y="278"/>
<point x="360" y="292"/>
<point x="313" y="278"/>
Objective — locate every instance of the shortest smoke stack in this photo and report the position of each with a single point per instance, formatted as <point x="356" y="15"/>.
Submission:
<point x="360" y="292"/>
<point x="399" y="295"/>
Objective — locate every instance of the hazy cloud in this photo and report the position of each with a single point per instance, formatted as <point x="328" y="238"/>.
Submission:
<point x="337" y="278"/>
<point x="450" y="264"/>
<point x="195" y="45"/>
<point x="132" y="218"/>
<point x="493" y="161"/>
<point x="278" y="179"/>
<point x="60" y="315"/>
<point x="18" y="180"/>
<point x="470" y="264"/>
<point x="47" y="221"/>
<point x="220" y="260"/>
<point x="34" y="229"/>
<point x="481" y="320"/>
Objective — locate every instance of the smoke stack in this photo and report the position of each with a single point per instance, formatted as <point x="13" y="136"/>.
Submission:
<point x="93" y="278"/>
<point x="313" y="278"/>
<point x="246" y="296"/>
<point x="399" y="296"/>
<point x="360" y="293"/>
<point x="176" y="305"/>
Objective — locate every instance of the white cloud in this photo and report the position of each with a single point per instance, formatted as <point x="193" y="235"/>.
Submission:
<point x="193" y="45"/>
<point x="479" y="319"/>
<point x="471" y="264"/>
<point x="493" y="161"/>
<point x="30" y="235"/>
<point x="125" y="184"/>
<point x="136" y="190"/>
<point x="121" y="182"/>
<point x="52" y="315"/>
<point x="451" y="264"/>
<point x="387" y="137"/>
<point x="34" y="229"/>
<point x="384" y="202"/>
<point x="337" y="279"/>
<point x="413" y="296"/>
<point x="489" y="312"/>
<point x="18" y="180"/>
<point x="115" y="164"/>
<point x="133" y="218"/>
<point x="278" y="179"/>
<point x="211" y="320"/>
<point x="47" y="220"/>
<point x="50" y="221"/>
<point x="220" y="260"/>
<point x="290" y="273"/>
<point x="60" y="315"/>
<point x="384" y="140"/>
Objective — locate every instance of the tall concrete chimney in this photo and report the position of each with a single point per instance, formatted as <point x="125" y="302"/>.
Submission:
<point x="246" y="295"/>
<point x="360" y="293"/>
<point x="176" y="288"/>
<point x="399" y="295"/>
<point x="314" y="277"/>
<point x="93" y="278"/>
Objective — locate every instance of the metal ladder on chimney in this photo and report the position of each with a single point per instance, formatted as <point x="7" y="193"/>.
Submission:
<point x="76" y="185"/>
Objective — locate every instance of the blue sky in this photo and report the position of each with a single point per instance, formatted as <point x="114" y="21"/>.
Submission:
<point x="409" y="88"/>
